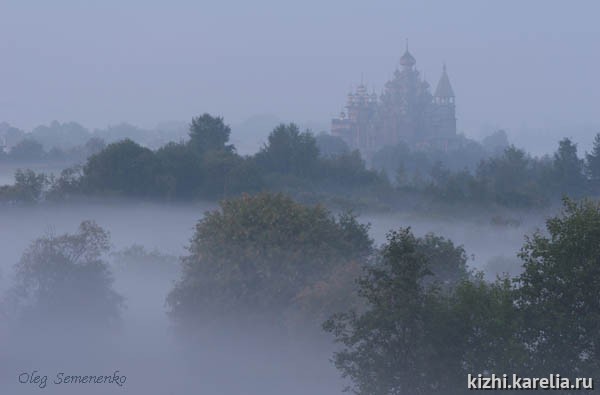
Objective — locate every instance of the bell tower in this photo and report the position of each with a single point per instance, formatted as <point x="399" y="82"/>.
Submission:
<point x="444" y="117"/>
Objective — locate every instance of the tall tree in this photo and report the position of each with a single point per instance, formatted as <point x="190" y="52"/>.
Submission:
<point x="289" y="151"/>
<point x="592" y="163"/>
<point x="568" y="169"/>
<point x="411" y="338"/>
<point x="559" y="291"/>
<point x="386" y="349"/>
<point x="208" y="133"/>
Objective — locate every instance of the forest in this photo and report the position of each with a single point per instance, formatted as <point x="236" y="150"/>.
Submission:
<point x="312" y="168"/>
<point x="282" y="261"/>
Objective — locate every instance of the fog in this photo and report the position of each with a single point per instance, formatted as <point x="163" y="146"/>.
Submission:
<point x="529" y="68"/>
<point x="144" y="349"/>
<point x="230" y="360"/>
<point x="526" y="67"/>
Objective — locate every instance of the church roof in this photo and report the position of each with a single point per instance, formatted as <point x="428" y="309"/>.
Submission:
<point x="444" y="89"/>
<point x="407" y="59"/>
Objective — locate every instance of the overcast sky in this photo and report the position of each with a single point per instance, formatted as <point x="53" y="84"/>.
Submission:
<point x="526" y="66"/>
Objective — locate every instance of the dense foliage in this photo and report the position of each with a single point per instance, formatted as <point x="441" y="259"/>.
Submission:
<point x="414" y="337"/>
<point x="207" y="166"/>
<point x="256" y="253"/>
<point x="317" y="168"/>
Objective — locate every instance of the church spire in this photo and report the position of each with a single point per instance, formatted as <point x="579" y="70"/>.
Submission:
<point x="444" y="91"/>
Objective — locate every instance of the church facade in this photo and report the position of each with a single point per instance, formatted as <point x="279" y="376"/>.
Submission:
<point x="405" y="111"/>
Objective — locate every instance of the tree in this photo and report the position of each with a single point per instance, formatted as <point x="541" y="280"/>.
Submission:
<point x="124" y="168"/>
<point x="559" y="291"/>
<point x="208" y="133"/>
<point x="61" y="135"/>
<point x="226" y="173"/>
<point x="347" y="169"/>
<point x="63" y="280"/>
<point x="180" y="174"/>
<point x="385" y="348"/>
<point x="331" y="146"/>
<point x="256" y="253"/>
<point x="413" y="339"/>
<point x="447" y="262"/>
<point x="27" y="150"/>
<point x="67" y="185"/>
<point x="568" y="169"/>
<point x="592" y="163"/>
<point x="288" y="151"/>
<point x="29" y="187"/>
<point x="508" y="179"/>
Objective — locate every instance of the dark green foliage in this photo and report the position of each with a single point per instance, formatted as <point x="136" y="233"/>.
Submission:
<point x="226" y="173"/>
<point x="567" y="175"/>
<point x="322" y="169"/>
<point x="386" y="348"/>
<point x="509" y="179"/>
<point x="479" y="330"/>
<point x="447" y="262"/>
<point x="559" y="291"/>
<point x="413" y="338"/>
<point x="256" y="253"/>
<point x="208" y="133"/>
<point x="123" y="168"/>
<point x="592" y="163"/>
<point x="288" y="151"/>
<point x="63" y="280"/>
<point x="347" y="169"/>
<point x="180" y="174"/>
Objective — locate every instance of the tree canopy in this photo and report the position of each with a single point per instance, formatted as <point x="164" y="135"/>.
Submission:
<point x="63" y="280"/>
<point x="256" y="253"/>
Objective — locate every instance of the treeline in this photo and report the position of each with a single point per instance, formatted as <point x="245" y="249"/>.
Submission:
<point x="319" y="168"/>
<point x="409" y="315"/>
<point x="56" y="137"/>
<point x="30" y="150"/>
<point x="515" y="179"/>
<point x="417" y="336"/>
<point x="205" y="166"/>
<point x="509" y="178"/>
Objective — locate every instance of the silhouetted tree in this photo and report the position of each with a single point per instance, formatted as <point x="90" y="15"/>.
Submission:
<point x="288" y="151"/>
<point x="568" y="169"/>
<point x="63" y="280"/>
<point x="559" y="292"/>
<point x="413" y="339"/>
<point x="123" y="168"/>
<point x="592" y="163"/>
<point x="180" y="175"/>
<point x="208" y="133"/>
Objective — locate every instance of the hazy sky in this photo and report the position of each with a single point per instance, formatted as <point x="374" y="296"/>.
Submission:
<point x="520" y="65"/>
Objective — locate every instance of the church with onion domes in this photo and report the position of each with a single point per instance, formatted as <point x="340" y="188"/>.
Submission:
<point x="406" y="111"/>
